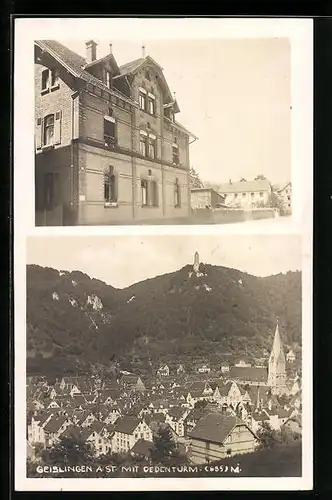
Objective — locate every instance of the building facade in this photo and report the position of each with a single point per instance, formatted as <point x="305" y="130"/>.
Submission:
<point x="247" y="194"/>
<point x="205" y="198"/>
<point x="108" y="147"/>
<point x="218" y="436"/>
<point x="284" y="193"/>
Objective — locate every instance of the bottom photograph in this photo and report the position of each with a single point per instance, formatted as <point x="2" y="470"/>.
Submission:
<point x="163" y="356"/>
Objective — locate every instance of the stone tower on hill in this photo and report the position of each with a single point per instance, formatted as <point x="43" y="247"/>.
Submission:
<point x="196" y="262"/>
<point x="277" y="366"/>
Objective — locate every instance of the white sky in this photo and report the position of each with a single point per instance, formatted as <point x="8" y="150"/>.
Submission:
<point x="234" y="95"/>
<point x="123" y="260"/>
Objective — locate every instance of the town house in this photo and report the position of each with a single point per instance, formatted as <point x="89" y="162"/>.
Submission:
<point x="108" y="148"/>
<point x="247" y="194"/>
<point x="127" y="431"/>
<point x="217" y="436"/>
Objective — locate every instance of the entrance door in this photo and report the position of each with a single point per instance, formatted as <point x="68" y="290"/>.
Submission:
<point x="52" y="200"/>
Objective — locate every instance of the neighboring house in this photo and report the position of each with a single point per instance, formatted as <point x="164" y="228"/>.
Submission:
<point x="108" y="146"/>
<point x="204" y="369"/>
<point x="294" y="424"/>
<point x="142" y="449"/>
<point x="284" y="194"/>
<point x="290" y="356"/>
<point x="132" y="382"/>
<point x="127" y="431"/>
<point x="247" y="194"/>
<point x="54" y="428"/>
<point x="250" y="375"/>
<point x="242" y="363"/>
<point x="175" y="418"/>
<point x="36" y="432"/>
<point x="224" y="368"/>
<point x="180" y="370"/>
<point x="163" y="371"/>
<point x="206" y="198"/>
<point x="217" y="436"/>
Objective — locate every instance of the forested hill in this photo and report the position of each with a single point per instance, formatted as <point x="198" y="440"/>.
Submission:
<point x="74" y="321"/>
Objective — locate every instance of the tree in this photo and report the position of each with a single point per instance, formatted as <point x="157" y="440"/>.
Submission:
<point x="195" y="180"/>
<point x="69" y="451"/>
<point x="201" y="403"/>
<point x="164" y="447"/>
<point x="267" y="436"/>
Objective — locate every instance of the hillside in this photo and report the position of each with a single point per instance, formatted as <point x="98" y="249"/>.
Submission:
<point x="219" y="313"/>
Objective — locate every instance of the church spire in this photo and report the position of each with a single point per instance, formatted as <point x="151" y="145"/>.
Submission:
<point x="277" y="349"/>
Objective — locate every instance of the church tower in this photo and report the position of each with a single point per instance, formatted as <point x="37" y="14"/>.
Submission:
<point x="277" y="366"/>
<point x="196" y="263"/>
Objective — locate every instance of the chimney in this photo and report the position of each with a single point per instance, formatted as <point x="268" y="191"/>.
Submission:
<point x="111" y="48"/>
<point x="91" y="51"/>
<point x="230" y="181"/>
<point x="143" y="51"/>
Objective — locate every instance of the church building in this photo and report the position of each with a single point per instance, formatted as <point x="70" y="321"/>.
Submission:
<point x="274" y="376"/>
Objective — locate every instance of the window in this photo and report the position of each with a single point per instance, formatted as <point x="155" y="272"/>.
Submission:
<point x="261" y="194"/>
<point x="54" y="78"/>
<point x="149" y="193"/>
<point x="235" y="196"/>
<point x="152" y="146"/>
<point x="143" y="143"/>
<point x="175" y="150"/>
<point x="288" y="198"/>
<point x="110" y="186"/>
<point x="177" y="200"/>
<point x="151" y="104"/>
<point x="144" y="192"/>
<point x="147" y="75"/>
<point x="45" y="79"/>
<point x="154" y="193"/>
<point x="50" y="78"/>
<point x="142" y="99"/>
<point x="243" y="195"/>
<point x="252" y="195"/>
<point x="49" y="130"/>
<point x="109" y="130"/>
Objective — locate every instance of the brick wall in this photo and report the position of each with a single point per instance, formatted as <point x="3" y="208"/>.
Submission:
<point x="53" y="101"/>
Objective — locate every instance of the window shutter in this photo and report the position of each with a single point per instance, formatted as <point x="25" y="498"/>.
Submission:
<point x="39" y="131"/>
<point x="57" y="128"/>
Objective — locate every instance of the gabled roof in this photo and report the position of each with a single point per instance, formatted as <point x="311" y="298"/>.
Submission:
<point x="214" y="427"/>
<point x="102" y="60"/>
<point x="244" y="186"/>
<point x="142" y="447"/>
<point x="131" y="66"/>
<point x="54" y="424"/>
<point x="176" y="412"/>
<point x="126" y="424"/>
<point x="74" y="64"/>
<point x="248" y="373"/>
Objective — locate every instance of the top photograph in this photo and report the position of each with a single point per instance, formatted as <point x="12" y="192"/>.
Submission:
<point x="177" y="132"/>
